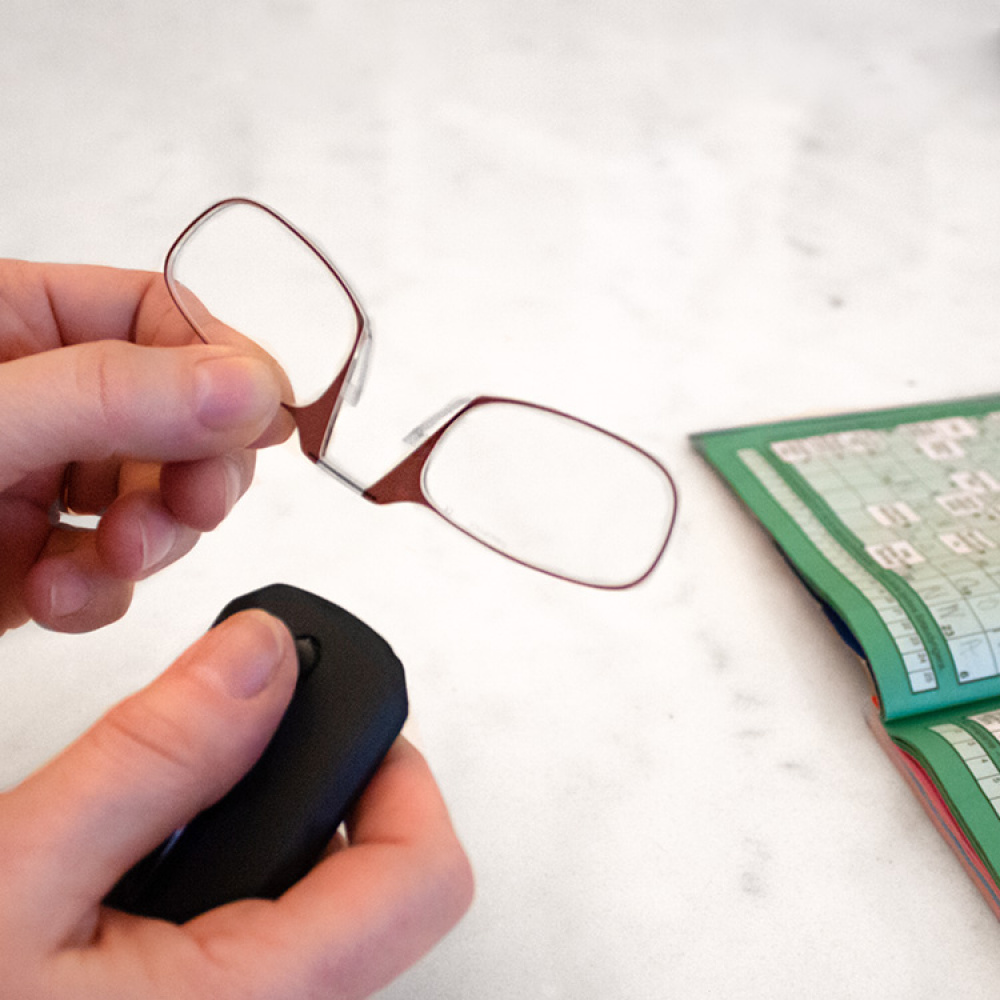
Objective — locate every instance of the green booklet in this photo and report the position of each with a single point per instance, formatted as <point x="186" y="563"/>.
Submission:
<point x="892" y="519"/>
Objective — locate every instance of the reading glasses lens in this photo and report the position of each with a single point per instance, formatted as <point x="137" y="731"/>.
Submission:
<point x="243" y="267"/>
<point x="552" y="492"/>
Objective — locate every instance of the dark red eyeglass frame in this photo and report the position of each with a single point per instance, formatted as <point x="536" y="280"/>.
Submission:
<point x="404" y="483"/>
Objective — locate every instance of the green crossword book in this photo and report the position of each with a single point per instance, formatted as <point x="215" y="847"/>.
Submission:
<point x="892" y="519"/>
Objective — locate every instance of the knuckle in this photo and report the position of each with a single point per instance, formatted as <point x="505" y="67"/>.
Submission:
<point x="444" y="885"/>
<point x="97" y="376"/>
<point x="138" y="735"/>
<point x="456" y="882"/>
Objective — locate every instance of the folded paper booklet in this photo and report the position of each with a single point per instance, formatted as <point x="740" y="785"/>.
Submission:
<point x="892" y="519"/>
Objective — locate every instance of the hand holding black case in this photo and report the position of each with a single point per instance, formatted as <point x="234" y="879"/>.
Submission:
<point x="272" y="827"/>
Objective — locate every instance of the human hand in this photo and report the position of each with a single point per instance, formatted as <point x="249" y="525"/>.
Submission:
<point x="68" y="832"/>
<point x="99" y="417"/>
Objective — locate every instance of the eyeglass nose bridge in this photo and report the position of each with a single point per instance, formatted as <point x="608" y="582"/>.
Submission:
<point x="401" y="484"/>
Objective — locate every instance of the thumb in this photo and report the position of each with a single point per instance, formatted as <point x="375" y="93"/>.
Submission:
<point x="141" y="772"/>
<point x="92" y="401"/>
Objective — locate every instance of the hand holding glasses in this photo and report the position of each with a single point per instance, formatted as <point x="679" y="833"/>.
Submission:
<point x="545" y="489"/>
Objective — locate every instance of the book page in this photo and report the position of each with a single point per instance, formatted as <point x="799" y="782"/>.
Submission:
<point x="893" y="519"/>
<point x="960" y="751"/>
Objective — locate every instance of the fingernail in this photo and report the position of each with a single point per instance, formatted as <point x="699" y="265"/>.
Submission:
<point x="233" y="483"/>
<point x="253" y="653"/>
<point x="68" y="593"/>
<point x="234" y="389"/>
<point x="157" y="535"/>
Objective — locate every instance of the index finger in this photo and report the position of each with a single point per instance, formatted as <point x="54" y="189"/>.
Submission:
<point x="55" y="305"/>
<point x="58" y="305"/>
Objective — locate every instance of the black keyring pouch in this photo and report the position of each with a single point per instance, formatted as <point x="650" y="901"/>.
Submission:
<point x="349" y="705"/>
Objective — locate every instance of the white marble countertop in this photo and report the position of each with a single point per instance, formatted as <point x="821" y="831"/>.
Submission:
<point x="665" y="217"/>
